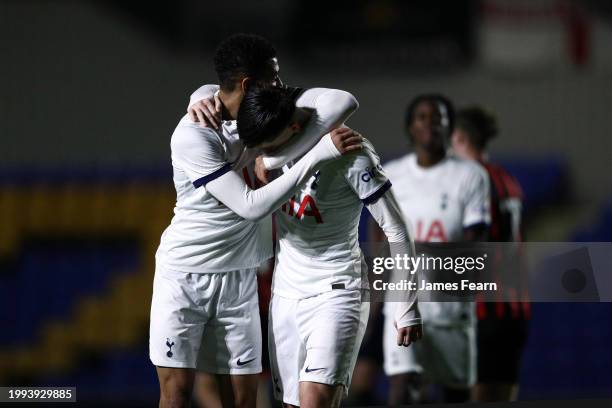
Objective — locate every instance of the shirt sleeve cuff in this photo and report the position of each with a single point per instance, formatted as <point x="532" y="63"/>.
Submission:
<point x="377" y="194"/>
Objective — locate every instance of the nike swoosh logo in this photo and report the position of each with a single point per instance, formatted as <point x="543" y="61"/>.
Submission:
<point x="241" y="363"/>
<point x="310" y="370"/>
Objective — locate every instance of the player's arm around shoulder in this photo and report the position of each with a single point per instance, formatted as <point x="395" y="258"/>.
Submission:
<point x="333" y="106"/>
<point x="205" y="106"/>
<point x="330" y="108"/>
<point x="198" y="151"/>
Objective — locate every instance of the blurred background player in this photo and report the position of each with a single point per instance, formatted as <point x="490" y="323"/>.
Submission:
<point x="445" y="199"/>
<point x="318" y="314"/>
<point x="502" y="326"/>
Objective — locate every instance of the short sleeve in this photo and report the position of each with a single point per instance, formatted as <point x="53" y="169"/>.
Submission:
<point x="366" y="176"/>
<point x="476" y="199"/>
<point x="199" y="153"/>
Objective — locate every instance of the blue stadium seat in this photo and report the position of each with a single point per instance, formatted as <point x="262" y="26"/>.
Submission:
<point x="72" y="269"/>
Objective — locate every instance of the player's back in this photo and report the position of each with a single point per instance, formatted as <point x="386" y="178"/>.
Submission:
<point x="506" y="204"/>
<point x="204" y="234"/>
<point x="317" y="230"/>
<point x="506" y="226"/>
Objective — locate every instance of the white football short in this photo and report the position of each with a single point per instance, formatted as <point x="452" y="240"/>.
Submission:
<point x="445" y="355"/>
<point x="206" y="321"/>
<point x="315" y="339"/>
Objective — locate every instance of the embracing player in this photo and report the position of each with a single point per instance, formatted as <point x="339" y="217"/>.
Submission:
<point x="317" y="314"/>
<point x="447" y="200"/>
<point x="204" y="313"/>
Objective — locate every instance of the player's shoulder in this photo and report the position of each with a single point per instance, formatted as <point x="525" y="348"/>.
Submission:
<point x="361" y="160"/>
<point x="368" y="152"/>
<point x="186" y="127"/>
<point x="496" y="171"/>
<point x="398" y="165"/>
<point x="189" y="134"/>
<point x="466" y="168"/>
<point x="502" y="177"/>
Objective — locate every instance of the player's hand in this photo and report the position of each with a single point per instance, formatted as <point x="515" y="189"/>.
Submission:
<point x="408" y="335"/>
<point x="261" y="172"/>
<point x="346" y="140"/>
<point x="207" y="112"/>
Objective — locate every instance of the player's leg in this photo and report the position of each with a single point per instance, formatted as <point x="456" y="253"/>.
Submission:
<point x="243" y="390"/>
<point x="207" y="391"/>
<point x="402" y="365"/>
<point x="219" y="390"/>
<point x="405" y="389"/>
<point x="332" y="325"/>
<point x="286" y="348"/>
<point x="456" y="395"/>
<point x="315" y="395"/>
<point x="176" y="385"/>
<point x="231" y="342"/>
<point x="178" y="317"/>
<point x="453" y="360"/>
<point x="495" y="392"/>
<point x="500" y="347"/>
<point x="369" y="361"/>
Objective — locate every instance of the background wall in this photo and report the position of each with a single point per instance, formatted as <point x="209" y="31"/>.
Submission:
<point x="83" y="83"/>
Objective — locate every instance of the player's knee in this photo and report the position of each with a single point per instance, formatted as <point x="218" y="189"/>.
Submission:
<point x="244" y="391"/>
<point x="176" y="388"/>
<point x="243" y="400"/>
<point x="315" y="395"/>
<point x="173" y="395"/>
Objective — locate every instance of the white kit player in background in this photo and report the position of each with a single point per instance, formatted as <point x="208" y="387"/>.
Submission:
<point x="204" y="312"/>
<point x="446" y="199"/>
<point x="317" y="315"/>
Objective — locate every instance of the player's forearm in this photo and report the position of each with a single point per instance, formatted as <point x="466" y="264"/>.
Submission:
<point x="253" y="205"/>
<point x="386" y="213"/>
<point x="406" y="310"/>
<point x="331" y="107"/>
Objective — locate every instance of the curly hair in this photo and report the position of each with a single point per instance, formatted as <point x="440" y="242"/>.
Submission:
<point x="242" y="55"/>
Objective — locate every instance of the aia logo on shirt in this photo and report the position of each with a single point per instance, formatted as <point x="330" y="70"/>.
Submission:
<point x="370" y="174"/>
<point x="307" y="208"/>
<point x="433" y="233"/>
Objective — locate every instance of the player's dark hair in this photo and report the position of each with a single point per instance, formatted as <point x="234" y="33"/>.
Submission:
<point x="479" y="125"/>
<point x="435" y="99"/>
<point x="264" y="113"/>
<point x="242" y="55"/>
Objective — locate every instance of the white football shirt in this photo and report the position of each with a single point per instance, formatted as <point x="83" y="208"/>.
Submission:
<point x="439" y="202"/>
<point x="317" y="230"/>
<point x="205" y="236"/>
